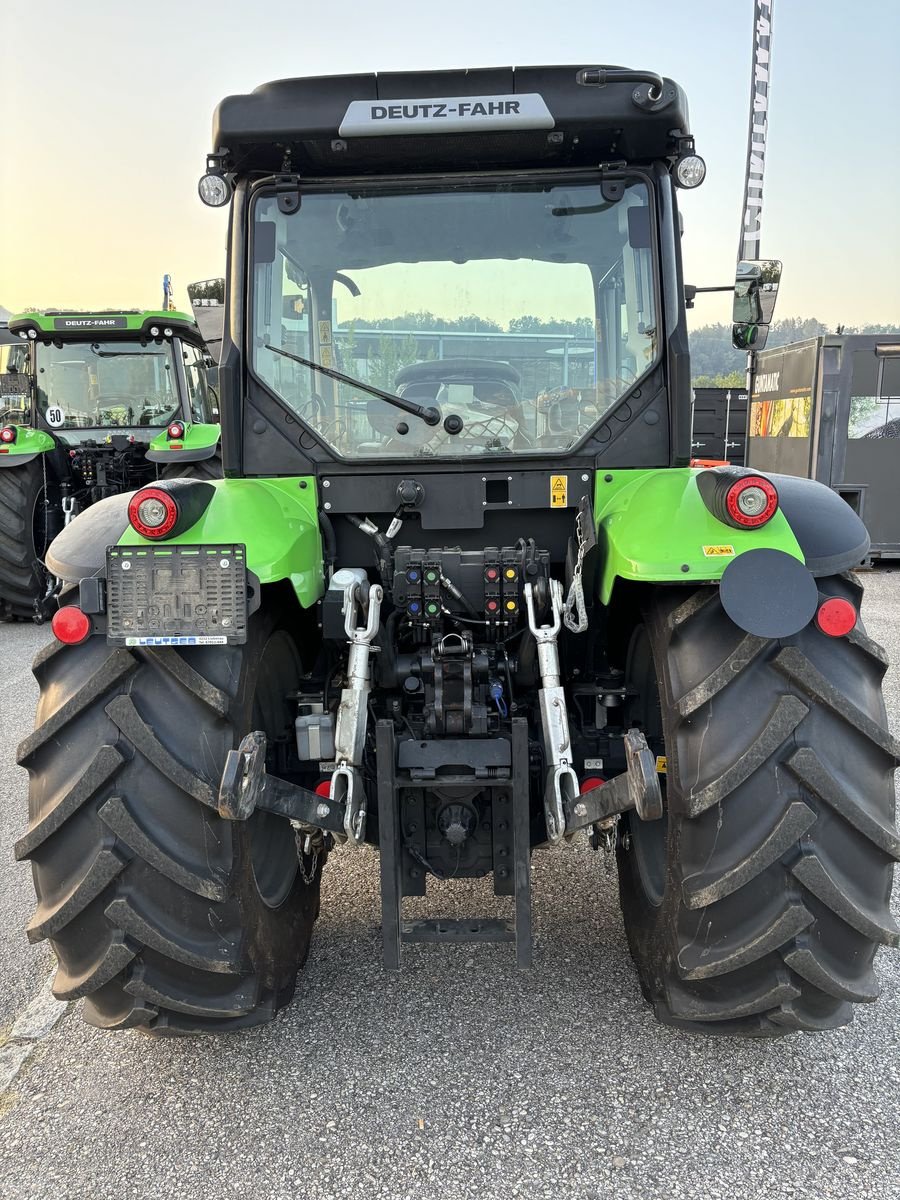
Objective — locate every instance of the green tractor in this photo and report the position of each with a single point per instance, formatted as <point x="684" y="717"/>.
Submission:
<point x="460" y="595"/>
<point x="91" y="405"/>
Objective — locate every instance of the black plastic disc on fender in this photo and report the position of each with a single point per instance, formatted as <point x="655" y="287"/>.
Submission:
<point x="769" y="593"/>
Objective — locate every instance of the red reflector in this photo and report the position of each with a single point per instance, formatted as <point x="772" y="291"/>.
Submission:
<point x="176" y="446"/>
<point x="592" y="781"/>
<point x="4" y="449"/>
<point x="836" y="617"/>
<point x="152" y="512"/>
<point x="70" y="625"/>
<point x="324" y="788"/>
<point x="751" y="501"/>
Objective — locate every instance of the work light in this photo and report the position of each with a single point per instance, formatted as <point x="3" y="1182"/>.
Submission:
<point x="214" y="190"/>
<point x="690" y="171"/>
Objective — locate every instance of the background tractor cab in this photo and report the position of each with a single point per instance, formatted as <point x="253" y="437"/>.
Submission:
<point x="94" y="404"/>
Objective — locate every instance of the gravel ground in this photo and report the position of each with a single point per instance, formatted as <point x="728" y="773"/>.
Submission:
<point x="458" y="1077"/>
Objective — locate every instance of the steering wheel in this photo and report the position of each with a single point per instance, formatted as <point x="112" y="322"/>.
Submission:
<point x="112" y="400"/>
<point x="493" y="427"/>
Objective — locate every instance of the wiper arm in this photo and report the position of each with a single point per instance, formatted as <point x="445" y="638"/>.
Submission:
<point x="430" y="416"/>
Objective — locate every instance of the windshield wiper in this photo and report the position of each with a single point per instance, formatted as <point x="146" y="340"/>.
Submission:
<point x="430" y="416"/>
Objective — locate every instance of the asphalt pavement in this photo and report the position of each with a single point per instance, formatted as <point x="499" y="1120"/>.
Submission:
<point x="458" y="1077"/>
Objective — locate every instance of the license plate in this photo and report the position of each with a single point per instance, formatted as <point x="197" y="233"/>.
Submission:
<point x="176" y="595"/>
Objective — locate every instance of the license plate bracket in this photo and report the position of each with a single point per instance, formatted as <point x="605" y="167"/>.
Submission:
<point x="176" y="595"/>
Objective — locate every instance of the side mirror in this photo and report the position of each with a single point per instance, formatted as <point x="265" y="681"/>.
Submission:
<point x="755" y="291"/>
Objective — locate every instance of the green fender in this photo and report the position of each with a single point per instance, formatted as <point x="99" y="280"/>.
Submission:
<point x="29" y="444"/>
<point x="653" y="526"/>
<point x="276" y="519"/>
<point x="199" y="442"/>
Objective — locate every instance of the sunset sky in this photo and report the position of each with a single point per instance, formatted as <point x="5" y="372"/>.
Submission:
<point x="108" y="107"/>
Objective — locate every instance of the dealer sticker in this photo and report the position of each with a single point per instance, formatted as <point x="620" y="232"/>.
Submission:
<point x="189" y="639"/>
<point x="446" y="114"/>
<point x="718" y="551"/>
<point x="559" y="491"/>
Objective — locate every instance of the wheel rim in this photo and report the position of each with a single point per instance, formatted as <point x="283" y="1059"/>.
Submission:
<point x="649" y="839"/>
<point x="273" y="849"/>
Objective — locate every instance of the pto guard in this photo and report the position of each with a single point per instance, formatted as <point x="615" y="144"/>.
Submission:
<point x="275" y="519"/>
<point x="200" y="441"/>
<point x="28" y="445"/>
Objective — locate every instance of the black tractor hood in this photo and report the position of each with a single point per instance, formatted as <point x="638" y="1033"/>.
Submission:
<point x="450" y="121"/>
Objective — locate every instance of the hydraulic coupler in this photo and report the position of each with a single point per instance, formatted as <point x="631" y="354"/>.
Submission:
<point x="347" y="789"/>
<point x="561" y="785"/>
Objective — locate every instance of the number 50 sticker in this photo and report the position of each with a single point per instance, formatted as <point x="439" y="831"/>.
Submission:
<point x="56" y="418"/>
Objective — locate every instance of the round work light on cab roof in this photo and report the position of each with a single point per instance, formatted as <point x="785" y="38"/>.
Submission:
<point x="214" y="190"/>
<point x="690" y="171"/>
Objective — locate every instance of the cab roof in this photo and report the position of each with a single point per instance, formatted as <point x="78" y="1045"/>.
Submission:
<point x="111" y="323"/>
<point x="436" y="121"/>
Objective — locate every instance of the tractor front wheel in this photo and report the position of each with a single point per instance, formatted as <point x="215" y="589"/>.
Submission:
<point x="756" y="906"/>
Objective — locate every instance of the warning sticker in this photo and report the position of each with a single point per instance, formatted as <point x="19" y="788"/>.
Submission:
<point x="559" y="491"/>
<point x="326" y="357"/>
<point x="324" y="333"/>
<point x="661" y="764"/>
<point x="718" y="551"/>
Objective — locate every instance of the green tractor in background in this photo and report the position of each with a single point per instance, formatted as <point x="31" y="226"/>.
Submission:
<point x="92" y="404"/>
<point x="461" y="594"/>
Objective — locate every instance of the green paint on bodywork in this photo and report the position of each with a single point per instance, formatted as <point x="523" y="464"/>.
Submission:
<point x="276" y="519"/>
<point x="196" y="437"/>
<point x="29" y="441"/>
<point x="652" y="524"/>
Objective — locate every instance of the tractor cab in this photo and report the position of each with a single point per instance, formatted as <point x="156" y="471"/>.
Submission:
<point x="92" y="404"/>
<point x="90" y="374"/>
<point x="524" y="221"/>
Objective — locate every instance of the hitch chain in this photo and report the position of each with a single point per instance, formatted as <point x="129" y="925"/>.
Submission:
<point x="309" y="847"/>
<point x="561" y="786"/>
<point x="575" y="615"/>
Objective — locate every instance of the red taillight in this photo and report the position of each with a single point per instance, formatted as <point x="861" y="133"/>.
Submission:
<point x="70" y="625"/>
<point x="152" y="512"/>
<point x="8" y="434"/>
<point x="836" y="617"/>
<point x="751" y="501"/>
<point x="175" y="431"/>
<point x="591" y="782"/>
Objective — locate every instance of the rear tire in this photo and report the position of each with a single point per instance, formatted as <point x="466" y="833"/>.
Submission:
<point x="757" y="905"/>
<point x="206" y="468"/>
<point x="22" y="576"/>
<point x="162" y="914"/>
